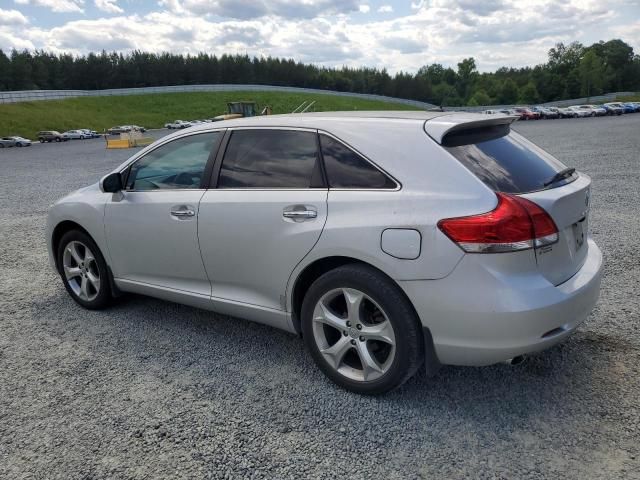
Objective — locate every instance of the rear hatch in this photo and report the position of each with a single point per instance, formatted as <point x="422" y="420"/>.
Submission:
<point x="506" y="162"/>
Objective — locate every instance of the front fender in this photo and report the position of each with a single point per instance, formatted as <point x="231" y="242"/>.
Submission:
<point x="84" y="207"/>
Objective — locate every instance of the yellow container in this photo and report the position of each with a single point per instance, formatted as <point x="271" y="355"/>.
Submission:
<point x="118" y="144"/>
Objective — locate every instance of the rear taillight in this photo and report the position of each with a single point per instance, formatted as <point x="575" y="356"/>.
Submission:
<point x="515" y="224"/>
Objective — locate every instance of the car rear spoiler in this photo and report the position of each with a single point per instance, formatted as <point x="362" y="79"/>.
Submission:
<point x="441" y="126"/>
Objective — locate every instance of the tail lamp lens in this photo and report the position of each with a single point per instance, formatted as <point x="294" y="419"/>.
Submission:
<point x="515" y="224"/>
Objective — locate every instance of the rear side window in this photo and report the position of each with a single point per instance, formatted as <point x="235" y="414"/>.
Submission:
<point x="270" y="159"/>
<point x="508" y="163"/>
<point x="347" y="169"/>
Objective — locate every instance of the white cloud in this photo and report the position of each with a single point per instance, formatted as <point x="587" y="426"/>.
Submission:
<point x="364" y="8"/>
<point x="59" y="6"/>
<point x="109" y="6"/>
<point x="12" y="17"/>
<point x="333" y="33"/>
<point x="385" y="9"/>
<point x="249" y="9"/>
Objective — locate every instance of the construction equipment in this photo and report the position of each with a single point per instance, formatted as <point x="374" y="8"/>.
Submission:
<point x="241" y="110"/>
<point x="130" y="139"/>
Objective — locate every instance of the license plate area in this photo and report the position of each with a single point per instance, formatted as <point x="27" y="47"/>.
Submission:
<point x="579" y="233"/>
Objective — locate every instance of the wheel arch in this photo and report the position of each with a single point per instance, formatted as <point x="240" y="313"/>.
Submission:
<point x="58" y="232"/>
<point x="315" y="270"/>
<point x="320" y="266"/>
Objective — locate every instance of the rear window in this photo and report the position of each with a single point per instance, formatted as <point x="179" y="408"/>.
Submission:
<point x="505" y="163"/>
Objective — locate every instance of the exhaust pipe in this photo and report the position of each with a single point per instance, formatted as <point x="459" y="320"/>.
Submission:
<point x="515" y="360"/>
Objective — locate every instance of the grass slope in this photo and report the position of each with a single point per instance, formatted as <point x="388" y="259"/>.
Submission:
<point x="153" y="111"/>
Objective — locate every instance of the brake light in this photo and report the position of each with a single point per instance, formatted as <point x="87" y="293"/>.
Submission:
<point x="515" y="224"/>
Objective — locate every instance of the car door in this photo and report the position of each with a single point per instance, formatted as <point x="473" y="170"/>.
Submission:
<point x="151" y="226"/>
<point x="266" y="214"/>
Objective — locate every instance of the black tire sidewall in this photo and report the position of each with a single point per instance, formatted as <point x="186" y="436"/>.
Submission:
<point x="104" y="297"/>
<point x="406" y="325"/>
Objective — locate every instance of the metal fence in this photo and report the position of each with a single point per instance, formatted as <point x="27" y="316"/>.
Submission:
<point x="36" y="95"/>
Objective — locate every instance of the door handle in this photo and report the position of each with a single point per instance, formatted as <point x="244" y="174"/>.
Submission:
<point x="183" y="213"/>
<point x="299" y="214"/>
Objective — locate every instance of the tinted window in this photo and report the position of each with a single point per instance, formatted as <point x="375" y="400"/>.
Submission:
<point x="269" y="159"/>
<point x="346" y="169"/>
<point x="177" y="164"/>
<point x="509" y="164"/>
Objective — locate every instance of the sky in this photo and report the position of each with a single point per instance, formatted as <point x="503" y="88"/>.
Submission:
<point x="396" y="35"/>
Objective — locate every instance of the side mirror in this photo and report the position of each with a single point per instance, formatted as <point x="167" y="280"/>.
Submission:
<point x="112" y="183"/>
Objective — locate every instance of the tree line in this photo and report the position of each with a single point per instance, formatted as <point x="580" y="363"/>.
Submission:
<point x="571" y="71"/>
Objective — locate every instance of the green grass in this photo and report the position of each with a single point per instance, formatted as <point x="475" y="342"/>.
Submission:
<point x="153" y="111"/>
<point x="629" y="98"/>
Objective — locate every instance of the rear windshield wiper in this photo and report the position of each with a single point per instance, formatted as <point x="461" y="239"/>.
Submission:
<point x="562" y="174"/>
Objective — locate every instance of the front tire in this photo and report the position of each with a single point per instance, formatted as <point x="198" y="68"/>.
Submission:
<point x="84" y="271"/>
<point x="361" y="330"/>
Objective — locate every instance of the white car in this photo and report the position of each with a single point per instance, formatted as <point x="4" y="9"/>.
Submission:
<point x="76" y="134"/>
<point x="582" y="111"/>
<point x="597" y="111"/>
<point x="390" y="240"/>
<point x="177" y="124"/>
<point x="21" y="141"/>
<point x="90" y="133"/>
<point x="14" y="142"/>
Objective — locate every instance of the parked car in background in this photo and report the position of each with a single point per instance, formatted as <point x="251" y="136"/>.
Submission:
<point x="134" y="128"/>
<point x="76" y="134"/>
<point x="566" y="112"/>
<point x="6" y="142"/>
<point x="177" y="124"/>
<point x="546" y="113"/>
<point x="472" y="250"/>
<point x="117" y="130"/>
<point x="632" y="107"/>
<point x="526" y="113"/>
<point x="51" y="136"/>
<point x="613" y="108"/>
<point x="597" y="111"/>
<point x="581" y="111"/>
<point x="90" y="133"/>
<point x="21" y="141"/>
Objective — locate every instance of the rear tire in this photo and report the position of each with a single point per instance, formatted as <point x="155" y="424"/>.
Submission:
<point x="84" y="271"/>
<point x="361" y="330"/>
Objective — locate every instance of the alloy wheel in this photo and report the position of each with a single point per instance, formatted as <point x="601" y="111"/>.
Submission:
<point x="81" y="270"/>
<point x="354" y="334"/>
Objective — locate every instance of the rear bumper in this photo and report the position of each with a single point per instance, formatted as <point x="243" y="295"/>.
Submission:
<point x="480" y="316"/>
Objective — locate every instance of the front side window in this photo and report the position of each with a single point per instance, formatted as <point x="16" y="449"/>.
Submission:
<point x="347" y="169"/>
<point x="260" y="158"/>
<point x="175" y="165"/>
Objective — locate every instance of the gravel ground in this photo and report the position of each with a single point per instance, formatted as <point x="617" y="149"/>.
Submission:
<point x="150" y="389"/>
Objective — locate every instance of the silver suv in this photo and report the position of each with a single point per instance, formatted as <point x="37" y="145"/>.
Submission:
<point x="388" y="240"/>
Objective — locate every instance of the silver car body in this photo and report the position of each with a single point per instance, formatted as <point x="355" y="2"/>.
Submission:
<point x="238" y="255"/>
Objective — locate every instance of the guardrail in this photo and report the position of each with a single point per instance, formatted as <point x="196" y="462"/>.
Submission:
<point x="38" y="95"/>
